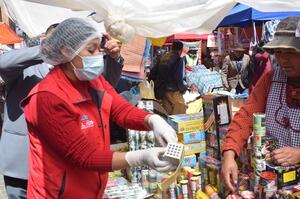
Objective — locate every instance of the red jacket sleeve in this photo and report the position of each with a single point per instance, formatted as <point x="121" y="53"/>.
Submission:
<point x="58" y="127"/>
<point x="123" y="113"/>
<point x="242" y="124"/>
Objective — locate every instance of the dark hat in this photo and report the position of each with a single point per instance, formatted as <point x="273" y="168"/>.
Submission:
<point x="285" y="35"/>
<point x="238" y="47"/>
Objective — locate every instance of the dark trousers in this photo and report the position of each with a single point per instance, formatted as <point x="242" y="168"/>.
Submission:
<point x="15" y="188"/>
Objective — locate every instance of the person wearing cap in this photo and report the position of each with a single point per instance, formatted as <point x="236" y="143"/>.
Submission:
<point x="68" y="115"/>
<point x="277" y="94"/>
<point x="234" y="71"/>
<point x="191" y="58"/>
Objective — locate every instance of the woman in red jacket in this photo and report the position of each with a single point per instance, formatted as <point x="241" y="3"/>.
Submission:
<point x="68" y="117"/>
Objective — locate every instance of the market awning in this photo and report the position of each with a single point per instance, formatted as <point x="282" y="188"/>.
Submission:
<point x="242" y="15"/>
<point x="187" y="36"/>
<point x="7" y="35"/>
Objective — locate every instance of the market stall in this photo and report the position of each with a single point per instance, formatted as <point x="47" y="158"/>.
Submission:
<point x="197" y="158"/>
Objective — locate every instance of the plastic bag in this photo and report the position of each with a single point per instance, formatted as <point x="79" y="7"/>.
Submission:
<point x="147" y="89"/>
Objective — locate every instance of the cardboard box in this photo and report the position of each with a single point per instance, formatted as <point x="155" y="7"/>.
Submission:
<point x="190" y="149"/>
<point x="286" y="176"/>
<point x="217" y="116"/>
<point x="186" y="125"/>
<point x="189" y="161"/>
<point x="211" y="173"/>
<point x="194" y="137"/>
<point x="219" y="105"/>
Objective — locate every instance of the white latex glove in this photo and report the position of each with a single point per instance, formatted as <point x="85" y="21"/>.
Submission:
<point x="163" y="132"/>
<point x="151" y="157"/>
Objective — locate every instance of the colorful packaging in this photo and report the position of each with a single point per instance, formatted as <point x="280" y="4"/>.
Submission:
<point x="201" y="195"/>
<point x="247" y="195"/>
<point x="234" y="196"/>
<point x="259" y="121"/>
<point x="189" y="161"/>
<point x="243" y="182"/>
<point x="286" y="176"/>
<point x="211" y="173"/>
<point x="268" y="184"/>
<point x="186" y="123"/>
<point x="216" y="116"/>
<point x="189" y="138"/>
<point x="190" y="149"/>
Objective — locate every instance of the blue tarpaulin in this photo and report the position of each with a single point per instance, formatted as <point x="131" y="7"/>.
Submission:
<point x="242" y="15"/>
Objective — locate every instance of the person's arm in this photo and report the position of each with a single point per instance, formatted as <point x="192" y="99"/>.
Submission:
<point x="224" y="71"/>
<point x="113" y="69"/>
<point x="113" y="61"/>
<point x="178" y="75"/>
<point x="14" y="62"/>
<point x="242" y="123"/>
<point x="240" y="129"/>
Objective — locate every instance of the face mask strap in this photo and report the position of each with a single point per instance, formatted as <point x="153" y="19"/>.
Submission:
<point x="74" y="67"/>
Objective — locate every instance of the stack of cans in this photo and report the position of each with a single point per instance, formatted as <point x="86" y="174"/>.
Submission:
<point x="138" y="140"/>
<point x="259" y="130"/>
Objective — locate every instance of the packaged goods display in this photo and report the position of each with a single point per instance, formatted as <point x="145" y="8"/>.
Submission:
<point x="211" y="173"/>
<point x="269" y="178"/>
<point x="193" y="137"/>
<point x="197" y="156"/>
<point x="187" y="123"/>
<point x="189" y="161"/>
<point x="217" y="116"/>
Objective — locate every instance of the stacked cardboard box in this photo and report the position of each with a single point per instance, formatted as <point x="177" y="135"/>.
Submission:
<point x="217" y="116"/>
<point x="190" y="130"/>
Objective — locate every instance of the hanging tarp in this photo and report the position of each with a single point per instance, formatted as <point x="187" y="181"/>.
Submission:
<point x="7" y="35"/>
<point x="242" y="15"/>
<point x="187" y="36"/>
<point x="156" y="18"/>
<point x="35" y="18"/>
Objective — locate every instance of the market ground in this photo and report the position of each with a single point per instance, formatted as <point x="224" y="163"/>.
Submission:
<point x="2" y="189"/>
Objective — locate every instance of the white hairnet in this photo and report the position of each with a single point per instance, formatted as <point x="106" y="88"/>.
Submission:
<point x="68" y="39"/>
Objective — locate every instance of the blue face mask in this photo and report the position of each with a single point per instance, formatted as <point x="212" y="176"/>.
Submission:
<point x="93" y="67"/>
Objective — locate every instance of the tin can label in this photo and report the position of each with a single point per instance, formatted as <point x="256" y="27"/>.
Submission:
<point x="259" y="121"/>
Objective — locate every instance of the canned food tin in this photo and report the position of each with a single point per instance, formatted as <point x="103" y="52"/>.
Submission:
<point x="259" y="121"/>
<point x="258" y="134"/>
<point x="194" y="183"/>
<point x="198" y="175"/>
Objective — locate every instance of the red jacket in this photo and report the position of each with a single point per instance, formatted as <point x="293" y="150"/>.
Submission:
<point x="69" y="136"/>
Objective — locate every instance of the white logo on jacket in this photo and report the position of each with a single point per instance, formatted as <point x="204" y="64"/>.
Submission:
<point x="86" y="122"/>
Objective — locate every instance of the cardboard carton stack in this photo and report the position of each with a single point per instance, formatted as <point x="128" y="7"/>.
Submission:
<point x="190" y="129"/>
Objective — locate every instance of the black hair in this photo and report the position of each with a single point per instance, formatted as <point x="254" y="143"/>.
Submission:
<point x="177" y="45"/>
<point x="51" y="27"/>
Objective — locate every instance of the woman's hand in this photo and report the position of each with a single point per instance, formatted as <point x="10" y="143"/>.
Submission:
<point x="111" y="47"/>
<point x="163" y="132"/>
<point x="287" y="156"/>
<point x="150" y="157"/>
<point x="230" y="170"/>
